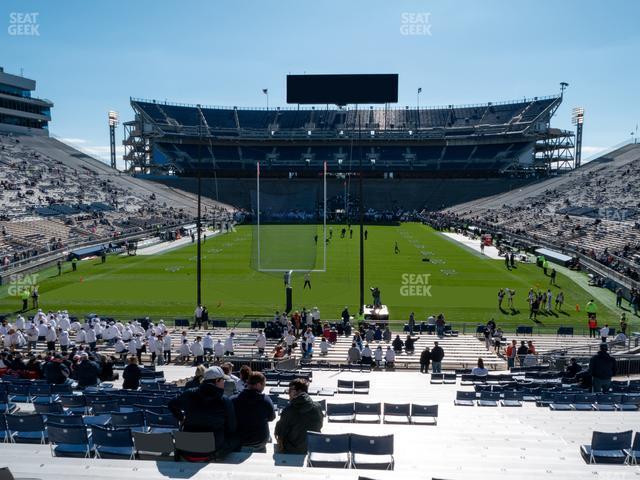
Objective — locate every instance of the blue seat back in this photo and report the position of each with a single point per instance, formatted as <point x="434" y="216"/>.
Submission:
<point x="397" y="409"/>
<point x="25" y="423"/>
<point x="153" y="419"/>
<point x="611" y="441"/>
<point x="370" y="445"/>
<point x="340" y="409"/>
<point x="68" y="434"/>
<point x="129" y="419"/>
<point x="117" y="437"/>
<point x="367" y="408"/>
<point x="424" y="410"/>
<point x="61" y="419"/>
<point x="328" y="443"/>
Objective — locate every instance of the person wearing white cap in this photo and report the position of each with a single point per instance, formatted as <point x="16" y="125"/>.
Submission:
<point x="206" y="409"/>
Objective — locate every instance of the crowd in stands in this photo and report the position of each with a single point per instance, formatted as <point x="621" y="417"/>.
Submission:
<point x="47" y="205"/>
<point x="595" y="212"/>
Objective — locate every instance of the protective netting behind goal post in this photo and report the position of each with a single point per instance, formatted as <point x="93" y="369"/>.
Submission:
<point x="289" y="224"/>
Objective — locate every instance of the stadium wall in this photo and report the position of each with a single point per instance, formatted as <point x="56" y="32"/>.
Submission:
<point x="379" y="194"/>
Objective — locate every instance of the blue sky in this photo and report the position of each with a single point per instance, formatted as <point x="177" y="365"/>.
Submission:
<point x="91" y="56"/>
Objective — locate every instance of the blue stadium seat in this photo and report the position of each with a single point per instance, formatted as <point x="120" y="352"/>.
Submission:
<point x="466" y="399"/>
<point x="488" y="399"/>
<point x="113" y="443"/>
<point x="367" y="412"/>
<point x="132" y="420"/>
<point x="607" y="447"/>
<point x="633" y="452"/>
<point x="159" y="423"/>
<point x="340" y="412"/>
<point x="396" y="413"/>
<point x="69" y="441"/>
<point x="328" y="450"/>
<point x="372" y="452"/>
<point x="26" y="428"/>
<point x="424" y="414"/>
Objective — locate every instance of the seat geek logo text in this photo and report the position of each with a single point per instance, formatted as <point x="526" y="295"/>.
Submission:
<point x="415" y="285"/>
<point x="23" y="24"/>
<point x="415" y="23"/>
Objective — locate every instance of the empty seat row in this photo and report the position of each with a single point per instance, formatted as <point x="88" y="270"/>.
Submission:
<point x="353" y="386"/>
<point x="399" y="413"/>
<point x="350" y="450"/>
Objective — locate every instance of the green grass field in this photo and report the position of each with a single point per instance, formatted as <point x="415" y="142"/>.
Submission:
<point x="461" y="283"/>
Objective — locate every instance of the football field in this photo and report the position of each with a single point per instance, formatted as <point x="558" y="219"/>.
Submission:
<point x="455" y="280"/>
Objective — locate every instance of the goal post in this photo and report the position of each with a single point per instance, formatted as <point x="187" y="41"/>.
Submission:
<point x="289" y="223"/>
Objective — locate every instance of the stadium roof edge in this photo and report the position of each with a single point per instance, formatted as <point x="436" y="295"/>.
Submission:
<point x="433" y="107"/>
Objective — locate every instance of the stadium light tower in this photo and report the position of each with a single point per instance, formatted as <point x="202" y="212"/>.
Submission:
<point x="563" y="87"/>
<point x="577" y="118"/>
<point x="113" y="123"/>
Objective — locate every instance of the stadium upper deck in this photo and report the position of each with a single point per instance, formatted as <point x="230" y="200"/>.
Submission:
<point x="487" y="138"/>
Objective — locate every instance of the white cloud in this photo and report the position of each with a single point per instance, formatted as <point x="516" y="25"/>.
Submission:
<point x="73" y="141"/>
<point x="100" y="152"/>
<point x="587" y="151"/>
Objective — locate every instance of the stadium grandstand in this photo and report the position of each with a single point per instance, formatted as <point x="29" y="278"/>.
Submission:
<point x="592" y="211"/>
<point x="54" y="197"/>
<point x="402" y="150"/>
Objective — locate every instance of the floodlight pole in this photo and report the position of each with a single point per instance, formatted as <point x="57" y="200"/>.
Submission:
<point x="199" y="219"/>
<point x="360" y="194"/>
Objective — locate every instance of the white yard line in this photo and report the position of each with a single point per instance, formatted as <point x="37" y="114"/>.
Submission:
<point x="474" y="244"/>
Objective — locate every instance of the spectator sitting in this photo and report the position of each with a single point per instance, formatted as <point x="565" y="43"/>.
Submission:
<point x="254" y="411"/>
<point x="480" y="370"/>
<point x="409" y="345"/>
<point x="86" y="372"/>
<point x="132" y="374"/>
<point x="324" y="346"/>
<point x="377" y="334"/>
<point x="386" y="335"/>
<point x="300" y="416"/>
<point x="353" y="355"/>
<point x="389" y="358"/>
<point x="573" y="368"/>
<point x="245" y="373"/>
<point x="397" y="344"/>
<point x="367" y="355"/>
<point x="206" y="409"/>
<point x="197" y="378"/>
<point x="56" y="372"/>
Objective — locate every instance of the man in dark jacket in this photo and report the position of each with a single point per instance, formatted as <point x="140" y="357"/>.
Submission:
<point x="206" y="409"/>
<point x="86" y="372"/>
<point x="301" y="415"/>
<point x="425" y="359"/>
<point x="602" y="367"/>
<point x="437" y="354"/>
<point x="55" y="371"/>
<point x="254" y="411"/>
